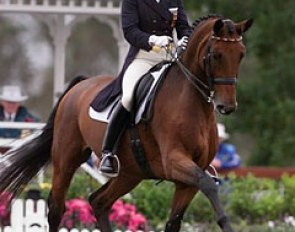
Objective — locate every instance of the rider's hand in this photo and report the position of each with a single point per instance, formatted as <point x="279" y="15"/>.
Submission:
<point x="183" y="42"/>
<point x="160" y="41"/>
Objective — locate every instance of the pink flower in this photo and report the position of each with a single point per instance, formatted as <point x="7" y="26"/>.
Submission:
<point x="137" y="221"/>
<point x="78" y="211"/>
<point x="5" y="199"/>
<point x="126" y="217"/>
<point x="123" y="215"/>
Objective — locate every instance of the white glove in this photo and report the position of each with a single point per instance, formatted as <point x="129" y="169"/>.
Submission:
<point x="160" y="41"/>
<point x="183" y="42"/>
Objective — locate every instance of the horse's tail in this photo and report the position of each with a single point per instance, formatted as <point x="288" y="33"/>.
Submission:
<point x="19" y="166"/>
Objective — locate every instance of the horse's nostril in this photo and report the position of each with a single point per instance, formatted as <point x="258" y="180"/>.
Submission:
<point x="225" y="109"/>
<point x="221" y="109"/>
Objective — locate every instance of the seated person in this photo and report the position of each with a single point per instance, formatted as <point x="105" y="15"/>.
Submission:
<point x="11" y="109"/>
<point x="227" y="156"/>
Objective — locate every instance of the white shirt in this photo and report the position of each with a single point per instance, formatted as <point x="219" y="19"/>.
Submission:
<point x="9" y="117"/>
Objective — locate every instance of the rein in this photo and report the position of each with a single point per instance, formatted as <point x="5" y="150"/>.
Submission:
<point x="198" y="83"/>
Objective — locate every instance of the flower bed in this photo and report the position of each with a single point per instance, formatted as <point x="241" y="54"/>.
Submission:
<point x="123" y="216"/>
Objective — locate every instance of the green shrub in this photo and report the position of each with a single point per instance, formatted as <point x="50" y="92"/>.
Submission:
<point x="82" y="185"/>
<point x="247" y="200"/>
<point x="257" y="200"/>
<point x="287" y="185"/>
<point x="200" y="210"/>
<point x="153" y="200"/>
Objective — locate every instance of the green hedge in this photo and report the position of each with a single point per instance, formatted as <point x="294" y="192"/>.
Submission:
<point x="247" y="200"/>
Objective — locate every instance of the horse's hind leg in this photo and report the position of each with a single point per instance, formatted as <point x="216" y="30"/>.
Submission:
<point x="66" y="160"/>
<point x="182" y="197"/>
<point x="103" y="199"/>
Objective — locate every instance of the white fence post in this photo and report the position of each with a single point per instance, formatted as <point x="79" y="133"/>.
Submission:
<point x="6" y="229"/>
<point x="17" y="215"/>
<point x="29" y="216"/>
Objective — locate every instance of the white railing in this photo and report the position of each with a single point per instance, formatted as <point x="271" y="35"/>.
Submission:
<point x="62" y="6"/>
<point x="35" y="129"/>
<point x="24" y="126"/>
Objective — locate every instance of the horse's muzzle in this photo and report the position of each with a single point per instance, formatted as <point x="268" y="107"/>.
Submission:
<point x="226" y="109"/>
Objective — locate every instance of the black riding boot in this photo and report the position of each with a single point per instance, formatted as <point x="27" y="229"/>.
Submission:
<point x="109" y="164"/>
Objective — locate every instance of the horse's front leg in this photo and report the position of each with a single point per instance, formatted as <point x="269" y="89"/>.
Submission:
<point x="182" y="197"/>
<point x="103" y="199"/>
<point x="189" y="173"/>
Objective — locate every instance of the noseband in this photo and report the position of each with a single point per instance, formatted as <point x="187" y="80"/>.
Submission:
<point x="212" y="80"/>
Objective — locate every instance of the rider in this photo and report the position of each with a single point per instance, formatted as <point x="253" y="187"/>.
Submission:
<point x="146" y="24"/>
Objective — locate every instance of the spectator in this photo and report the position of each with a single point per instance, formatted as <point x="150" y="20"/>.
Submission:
<point x="93" y="161"/>
<point x="227" y="156"/>
<point x="11" y="109"/>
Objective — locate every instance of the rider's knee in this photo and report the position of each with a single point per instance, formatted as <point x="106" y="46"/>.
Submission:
<point x="126" y="102"/>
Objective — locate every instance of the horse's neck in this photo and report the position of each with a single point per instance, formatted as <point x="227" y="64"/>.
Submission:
<point x="194" y="55"/>
<point x="194" y="100"/>
<point x="184" y="97"/>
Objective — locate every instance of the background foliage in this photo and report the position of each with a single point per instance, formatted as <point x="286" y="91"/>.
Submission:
<point x="265" y="95"/>
<point x="250" y="202"/>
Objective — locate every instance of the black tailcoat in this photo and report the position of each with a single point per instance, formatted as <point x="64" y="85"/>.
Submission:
<point x="141" y="19"/>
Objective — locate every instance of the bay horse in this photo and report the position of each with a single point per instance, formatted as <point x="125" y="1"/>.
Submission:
<point x="180" y="140"/>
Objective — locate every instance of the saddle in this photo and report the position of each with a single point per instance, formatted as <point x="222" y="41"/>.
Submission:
<point x="144" y="95"/>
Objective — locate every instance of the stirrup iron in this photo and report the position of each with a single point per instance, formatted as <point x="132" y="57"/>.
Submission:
<point x="215" y="175"/>
<point x="112" y="157"/>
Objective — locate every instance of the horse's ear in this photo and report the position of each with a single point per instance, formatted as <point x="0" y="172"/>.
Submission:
<point x="244" y="26"/>
<point x="218" y="26"/>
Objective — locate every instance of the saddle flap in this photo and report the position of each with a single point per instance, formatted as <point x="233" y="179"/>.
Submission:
<point x="146" y="90"/>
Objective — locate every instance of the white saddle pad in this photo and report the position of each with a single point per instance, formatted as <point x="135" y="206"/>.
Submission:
<point x="104" y="116"/>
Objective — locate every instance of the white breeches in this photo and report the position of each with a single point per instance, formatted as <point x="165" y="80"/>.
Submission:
<point x="140" y="65"/>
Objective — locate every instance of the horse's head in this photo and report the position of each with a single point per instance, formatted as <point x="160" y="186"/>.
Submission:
<point x="214" y="54"/>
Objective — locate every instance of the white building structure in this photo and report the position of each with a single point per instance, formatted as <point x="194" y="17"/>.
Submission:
<point x="61" y="16"/>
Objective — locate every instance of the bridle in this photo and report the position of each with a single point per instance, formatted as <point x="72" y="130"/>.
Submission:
<point x="207" y="90"/>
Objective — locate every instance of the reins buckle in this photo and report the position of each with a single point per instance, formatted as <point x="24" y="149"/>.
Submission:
<point x="211" y="96"/>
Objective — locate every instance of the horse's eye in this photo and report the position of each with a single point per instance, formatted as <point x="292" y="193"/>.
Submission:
<point x="217" y="55"/>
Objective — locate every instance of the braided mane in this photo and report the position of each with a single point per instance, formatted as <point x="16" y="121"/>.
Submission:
<point x="203" y="18"/>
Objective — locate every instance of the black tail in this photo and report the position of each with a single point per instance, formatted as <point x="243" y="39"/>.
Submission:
<point x="19" y="166"/>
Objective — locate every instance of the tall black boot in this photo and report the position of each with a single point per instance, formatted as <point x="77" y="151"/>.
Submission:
<point x="109" y="164"/>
